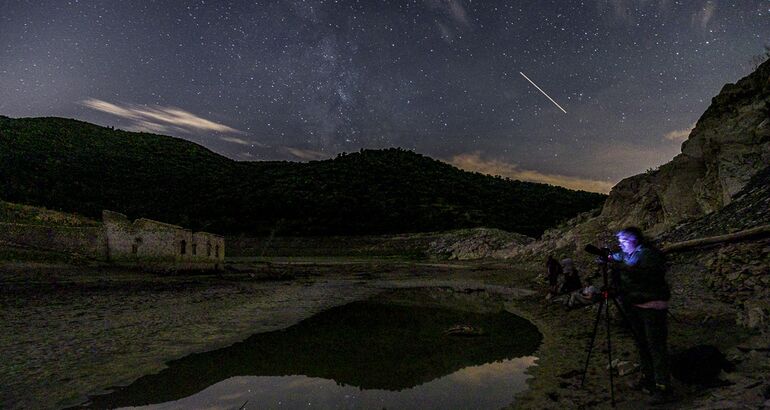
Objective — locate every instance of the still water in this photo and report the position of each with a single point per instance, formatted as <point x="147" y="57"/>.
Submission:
<point x="385" y="353"/>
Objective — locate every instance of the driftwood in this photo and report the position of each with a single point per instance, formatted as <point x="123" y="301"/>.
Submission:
<point x="757" y="232"/>
<point x="464" y="330"/>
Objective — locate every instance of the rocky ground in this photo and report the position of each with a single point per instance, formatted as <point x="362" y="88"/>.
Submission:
<point x="67" y="331"/>
<point x="699" y="316"/>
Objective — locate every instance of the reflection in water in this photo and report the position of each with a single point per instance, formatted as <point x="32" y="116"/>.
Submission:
<point x="362" y="355"/>
<point x="487" y="386"/>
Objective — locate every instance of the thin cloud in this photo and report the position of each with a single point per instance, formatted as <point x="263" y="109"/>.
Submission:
<point x="475" y="163"/>
<point x="147" y="126"/>
<point x="458" y="12"/>
<point x="305" y="154"/>
<point x="159" y="119"/>
<point x="235" y="140"/>
<point x="679" y="135"/>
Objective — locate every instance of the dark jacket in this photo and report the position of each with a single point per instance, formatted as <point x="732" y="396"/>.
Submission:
<point x="571" y="282"/>
<point x="642" y="275"/>
<point x="554" y="271"/>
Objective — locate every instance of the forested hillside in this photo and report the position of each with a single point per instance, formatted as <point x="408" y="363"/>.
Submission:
<point x="79" y="167"/>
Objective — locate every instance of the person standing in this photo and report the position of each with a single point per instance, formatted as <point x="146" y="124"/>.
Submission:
<point x="644" y="294"/>
<point x="554" y="271"/>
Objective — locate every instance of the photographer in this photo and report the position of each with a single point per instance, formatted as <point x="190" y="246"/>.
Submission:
<point x="645" y="294"/>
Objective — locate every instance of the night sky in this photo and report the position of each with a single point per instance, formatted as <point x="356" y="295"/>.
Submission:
<point x="302" y="80"/>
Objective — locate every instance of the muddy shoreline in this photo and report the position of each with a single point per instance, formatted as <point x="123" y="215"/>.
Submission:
<point x="69" y="331"/>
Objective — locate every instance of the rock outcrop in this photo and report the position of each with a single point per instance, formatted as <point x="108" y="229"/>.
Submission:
<point x="729" y="144"/>
<point x="567" y="240"/>
<point x="748" y="209"/>
<point x="475" y="243"/>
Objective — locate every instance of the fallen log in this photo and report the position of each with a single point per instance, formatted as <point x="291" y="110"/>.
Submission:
<point x="757" y="232"/>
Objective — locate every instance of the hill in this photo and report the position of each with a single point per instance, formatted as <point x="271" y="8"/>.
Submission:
<point x="74" y="166"/>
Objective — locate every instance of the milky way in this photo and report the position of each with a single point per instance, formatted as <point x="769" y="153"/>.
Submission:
<point x="303" y="80"/>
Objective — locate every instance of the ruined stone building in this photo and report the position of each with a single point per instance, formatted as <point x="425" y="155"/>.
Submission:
<point x="141" y="243"/>
<point x="148" y="242"/>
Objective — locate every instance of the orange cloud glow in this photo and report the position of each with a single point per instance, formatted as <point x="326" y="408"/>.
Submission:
<point x="475" y="163"/>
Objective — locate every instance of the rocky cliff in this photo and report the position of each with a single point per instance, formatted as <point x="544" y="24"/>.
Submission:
<point x="729" y="144"/>
<point x="748" y="209"/>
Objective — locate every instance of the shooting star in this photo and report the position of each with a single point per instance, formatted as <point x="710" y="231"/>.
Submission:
<point x="541" y="90"/>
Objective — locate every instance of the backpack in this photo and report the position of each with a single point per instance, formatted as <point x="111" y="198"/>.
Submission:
<point x="700" y="365"/>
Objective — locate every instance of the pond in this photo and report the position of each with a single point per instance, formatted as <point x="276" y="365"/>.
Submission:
<point x="407" y="349"/>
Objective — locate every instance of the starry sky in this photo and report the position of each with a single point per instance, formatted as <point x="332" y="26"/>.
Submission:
<point x="307" y="79"/>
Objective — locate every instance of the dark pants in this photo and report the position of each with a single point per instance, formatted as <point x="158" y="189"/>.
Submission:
<point x="651" y="330"/>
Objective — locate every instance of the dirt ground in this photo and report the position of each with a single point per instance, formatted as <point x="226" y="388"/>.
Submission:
<point x="697" y="318"/>
<point x="68" y="331"/>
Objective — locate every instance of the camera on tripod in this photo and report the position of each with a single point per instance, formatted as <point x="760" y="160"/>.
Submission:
<point x="610" y="281"/>
<point x="610" y="293"/>
<point x="603" y="253"/>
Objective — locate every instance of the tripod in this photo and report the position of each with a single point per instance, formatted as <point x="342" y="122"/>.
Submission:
<point x="604" y="306"/>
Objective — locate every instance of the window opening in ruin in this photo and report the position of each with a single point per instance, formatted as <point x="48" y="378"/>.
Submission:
<point x="135" y="245"/>
<point x="216" y="251"/>
<point x="194" y="248"/>
<point x="183" y="247"/>
<point x="208" y="249"/>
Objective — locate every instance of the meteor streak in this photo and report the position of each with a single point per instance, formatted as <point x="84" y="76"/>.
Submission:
<point x="541" y="90"/>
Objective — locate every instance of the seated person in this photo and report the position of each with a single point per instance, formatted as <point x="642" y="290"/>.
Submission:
<point x="571" y="277"/>
<point x="579" y="298"/>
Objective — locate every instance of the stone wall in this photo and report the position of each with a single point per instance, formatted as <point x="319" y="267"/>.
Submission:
<point x="151" y="243"/>
<point x="207" y="246"/>
<point x="144" y="242"/>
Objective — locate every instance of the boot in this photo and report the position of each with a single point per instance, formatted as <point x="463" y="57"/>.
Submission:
<point x="661" y="395"/>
